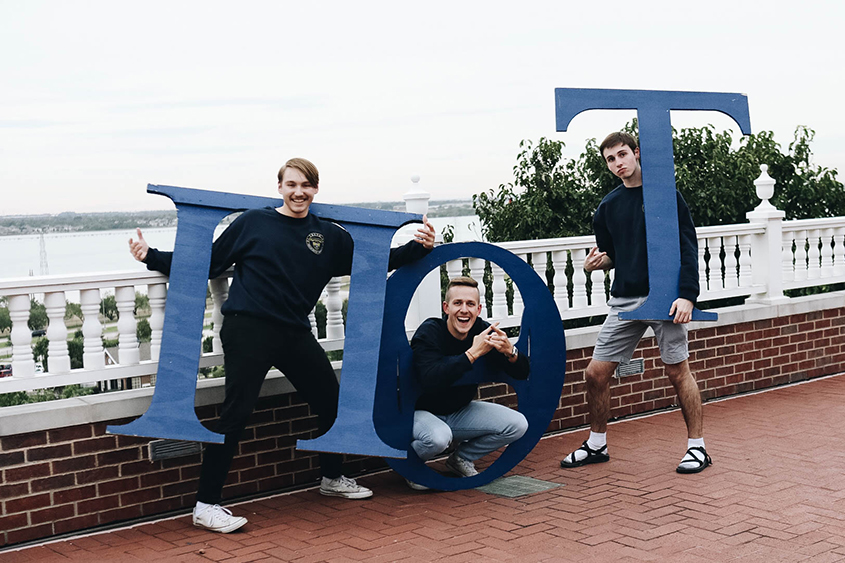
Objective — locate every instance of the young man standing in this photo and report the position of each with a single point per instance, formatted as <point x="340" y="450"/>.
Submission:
<point x="444" y="350"/>
<point x="619" y="225"/>
<point x="283" y="259"/>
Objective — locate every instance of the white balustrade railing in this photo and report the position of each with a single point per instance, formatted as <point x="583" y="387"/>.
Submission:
<point x="91" y="288"/>
<point x="813" y="252"/>
<point x="759" y="260"/>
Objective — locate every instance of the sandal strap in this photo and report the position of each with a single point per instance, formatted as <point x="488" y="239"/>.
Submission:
<point x="694" y="458"/>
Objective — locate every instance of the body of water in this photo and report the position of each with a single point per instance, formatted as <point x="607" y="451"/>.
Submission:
<point x="107" y="251"/>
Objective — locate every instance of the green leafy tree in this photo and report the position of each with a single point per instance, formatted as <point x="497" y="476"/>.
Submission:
<point x="5" y="319"/>
<point x="143" y="331"/>
<point x="75" y="348"/>
<point x="73" y="310"/>
<point x="40" y="352"/>
<point x="142" y="302"/>
<point x="108" y="307"/>
<point x="37" y="315"/>
<point x="551" y="197"/>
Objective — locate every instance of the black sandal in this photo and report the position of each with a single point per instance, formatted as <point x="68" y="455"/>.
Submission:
<point x="702" y="463"/>
<point x="593" y="456"/>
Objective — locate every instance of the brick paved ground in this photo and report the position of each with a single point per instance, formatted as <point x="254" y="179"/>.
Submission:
<point x="775" y="493"/>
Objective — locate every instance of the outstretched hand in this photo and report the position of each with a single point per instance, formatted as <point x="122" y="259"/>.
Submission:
<point x="425" y="234"/>
<point x="139" y="248"/>
<point x="682" y="310"/>
<point x="596" y="260"/>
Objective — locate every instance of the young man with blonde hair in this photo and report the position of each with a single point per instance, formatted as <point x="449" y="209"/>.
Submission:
<point x="445" y="348"/>
<point x="283" y="258"/>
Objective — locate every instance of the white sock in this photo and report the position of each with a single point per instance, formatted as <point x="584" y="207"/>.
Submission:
<point x="693" y="443"/>
<point x="200" y="507"/>
<point x="597" y="440"/>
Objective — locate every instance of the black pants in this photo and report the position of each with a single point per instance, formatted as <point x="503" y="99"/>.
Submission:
<point x="251" y="346"/>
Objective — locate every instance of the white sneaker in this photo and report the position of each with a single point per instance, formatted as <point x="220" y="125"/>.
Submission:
<point x="343" y="487"/>
<point x="461" y="466"/>
<point x="217" y="519"/>
<point x="416" y="486"/>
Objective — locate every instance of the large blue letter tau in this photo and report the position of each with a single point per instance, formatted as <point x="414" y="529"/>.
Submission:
<point x="656" y="156"/>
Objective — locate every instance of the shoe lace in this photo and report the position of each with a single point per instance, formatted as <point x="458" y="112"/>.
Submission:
<point x="218" y="511"/>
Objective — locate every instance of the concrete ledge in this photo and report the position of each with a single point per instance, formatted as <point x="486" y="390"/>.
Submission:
<point x="126" y="404"/>
<point x="34" y="417"/>
<point x="586" y="337"/>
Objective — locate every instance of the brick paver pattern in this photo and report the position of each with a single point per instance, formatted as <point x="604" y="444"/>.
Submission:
<point x="776" y="493"/>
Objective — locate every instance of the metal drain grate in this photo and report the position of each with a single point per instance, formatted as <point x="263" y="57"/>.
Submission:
<point x="517" y="486"/>
<point x="166" y="449"/>
<point x="633" y="367"/>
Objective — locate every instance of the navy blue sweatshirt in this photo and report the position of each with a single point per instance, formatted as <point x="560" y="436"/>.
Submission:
<point x="281" y="263"/>
<point x="440" y="360"/>
<point x="619" y="226"/>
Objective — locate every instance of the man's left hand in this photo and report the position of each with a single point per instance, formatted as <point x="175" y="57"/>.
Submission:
<point x="499" y="340"/>
<point x="425" y="234"/>
<point x="682" y="310"/>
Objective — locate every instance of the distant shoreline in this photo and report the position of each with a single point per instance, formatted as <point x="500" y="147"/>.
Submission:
<point x="71" y="222"/>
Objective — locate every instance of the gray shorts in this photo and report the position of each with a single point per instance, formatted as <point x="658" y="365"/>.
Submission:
<point x="618" y="339"/>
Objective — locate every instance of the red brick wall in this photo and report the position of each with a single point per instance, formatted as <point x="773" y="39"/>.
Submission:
<point x="68" y="479"/>
<point x="725" y="360"/>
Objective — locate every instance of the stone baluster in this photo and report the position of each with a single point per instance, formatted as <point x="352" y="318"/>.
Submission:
<point x="518" y="304"/>
<point x="454" y="268"/>
<point x="839" y="251"/>
<point x="476" y="272"/>
<point x="538" y="263"/>
<point x="559" y="259"/>
<point x="334" y="310"/>
<point x="312" y="320"/>
<point x="800" y="255"/>
<point x="731" y="276"/>
<point x="579" y="279"/>
<point x="126" y="326"/>
<point x="157" y="293"/>
<point x="219" y="295"/>
<point x="597" y="296"/>
<point x="702" y="265"/>
<point x="93" y="356"/>
<point x="788" y="259"/>
<point x="814" y="269"/>
<point x="744" y="260"/>
<point x="500" y="302"/>
<point x="59" y="359"/>
<point x="714" y="244"/>
<point x="827" y="253"/>
<point x="23" y="364"/>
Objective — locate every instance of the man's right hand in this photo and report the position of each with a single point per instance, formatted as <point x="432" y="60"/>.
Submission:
<point x="596" y="260"/>
<point x="481" y="343"/>
<point x="138" y="248"/>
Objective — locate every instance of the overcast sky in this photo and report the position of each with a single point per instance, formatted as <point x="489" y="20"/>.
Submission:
<point x="97" y="99"/>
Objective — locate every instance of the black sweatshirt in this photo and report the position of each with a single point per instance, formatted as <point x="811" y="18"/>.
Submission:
<point x="281" y="263"/>
<point x="440" y="360"/>
<point x="619" y="225"/>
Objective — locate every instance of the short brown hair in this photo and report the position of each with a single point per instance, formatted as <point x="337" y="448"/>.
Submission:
<point x="618" y="138"/>
<point x="305" y="166"/>
<point x="461" y="281"/>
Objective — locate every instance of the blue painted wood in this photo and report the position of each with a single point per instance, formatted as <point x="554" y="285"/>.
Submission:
<point x="657" y="160"/>
<point x="171" y="412"/>
<point x="541" y="337"/>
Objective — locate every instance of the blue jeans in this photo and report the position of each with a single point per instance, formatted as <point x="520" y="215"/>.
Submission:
<point x="479" y="428"/>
